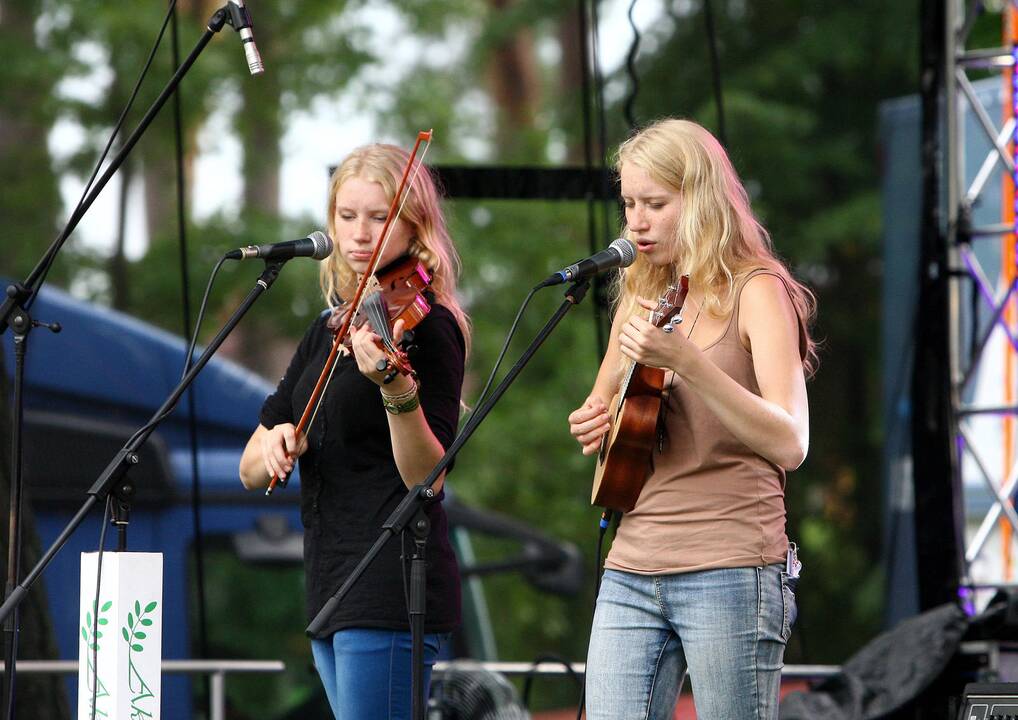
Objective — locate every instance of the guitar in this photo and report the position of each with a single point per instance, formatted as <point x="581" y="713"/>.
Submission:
<point x="624" y="459"/>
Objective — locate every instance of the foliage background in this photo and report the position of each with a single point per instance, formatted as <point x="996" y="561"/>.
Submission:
<point x="500" y="82"/>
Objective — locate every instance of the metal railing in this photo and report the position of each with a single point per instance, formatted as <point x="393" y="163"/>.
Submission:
<point x="215" y="669"/>
<point x="578" y="668"/>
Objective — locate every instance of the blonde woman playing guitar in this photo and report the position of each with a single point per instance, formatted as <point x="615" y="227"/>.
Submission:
<point x="700" y="578"/>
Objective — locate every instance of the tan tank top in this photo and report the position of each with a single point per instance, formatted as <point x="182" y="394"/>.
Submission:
<point x="710" y="502"/>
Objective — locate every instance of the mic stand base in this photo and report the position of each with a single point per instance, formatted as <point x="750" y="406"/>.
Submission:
<point x="21" y="326"/>
<point x="420" y="527"/>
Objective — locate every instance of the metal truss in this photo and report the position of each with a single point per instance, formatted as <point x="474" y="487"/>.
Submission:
<point x="972" y="247"/>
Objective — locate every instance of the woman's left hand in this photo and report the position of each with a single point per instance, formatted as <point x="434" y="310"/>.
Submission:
<point x="649" y="345"/>
<point x="367" y="353"/>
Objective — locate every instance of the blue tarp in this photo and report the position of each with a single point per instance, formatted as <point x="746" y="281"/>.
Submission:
<point x="87" y="389"/>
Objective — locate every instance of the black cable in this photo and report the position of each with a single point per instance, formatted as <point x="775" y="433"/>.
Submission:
<point x="608" y="229"/>
<point x="609" y="208"/>
<point x="715" y="69"/>
<point x="95" y="605"/>
<point x="528" y="679"/>
<point x="598" y="78"/>
<point x="634" y="79"/>
<point x="48" y="259"/>
<point x="607" y="516"/>
<point x="187" y="360"/>
<point x="201" y="316"/>
<point x="192" y="412"/>
<point x="405" y="571"/>
<point x="588" y="163"/>
<point x="505" y="347"/>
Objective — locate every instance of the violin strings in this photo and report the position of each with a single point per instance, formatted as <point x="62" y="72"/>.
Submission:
<point x="378" y="315"/>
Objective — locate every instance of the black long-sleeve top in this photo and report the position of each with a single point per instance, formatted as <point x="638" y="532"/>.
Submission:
<point x="350" y="483"/>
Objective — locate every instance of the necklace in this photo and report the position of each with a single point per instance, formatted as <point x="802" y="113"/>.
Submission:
<point x="696" y="317"/>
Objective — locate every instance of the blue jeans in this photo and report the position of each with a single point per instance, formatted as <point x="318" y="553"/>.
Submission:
<point x="366" y="673"/>
<point x="727" y="628"/>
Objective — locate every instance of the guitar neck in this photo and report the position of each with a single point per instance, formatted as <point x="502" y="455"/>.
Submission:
<point x="624" y="387"/>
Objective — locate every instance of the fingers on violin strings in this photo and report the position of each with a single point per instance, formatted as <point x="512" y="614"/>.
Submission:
<point x="397" y="331"/>
<point x="361" y="335"/>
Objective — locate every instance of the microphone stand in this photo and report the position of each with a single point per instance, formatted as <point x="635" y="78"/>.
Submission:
<point x="14" y="313"/>
<point x="410" y="512"/>
<point x="115" y="472"/>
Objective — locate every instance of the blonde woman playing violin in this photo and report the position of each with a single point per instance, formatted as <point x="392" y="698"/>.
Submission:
<point x="696" y="580"/>
<point x="371" y="441"/>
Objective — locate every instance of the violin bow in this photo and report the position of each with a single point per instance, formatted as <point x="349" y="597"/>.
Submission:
<point x="399" y="199"/>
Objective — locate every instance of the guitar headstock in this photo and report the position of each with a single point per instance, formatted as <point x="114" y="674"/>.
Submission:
<point x="669" y="305"/>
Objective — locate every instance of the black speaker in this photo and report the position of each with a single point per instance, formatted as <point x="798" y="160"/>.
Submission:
<point x="989" y="701"/>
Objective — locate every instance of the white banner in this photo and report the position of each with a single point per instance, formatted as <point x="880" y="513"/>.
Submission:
<point x="125" y="629"/>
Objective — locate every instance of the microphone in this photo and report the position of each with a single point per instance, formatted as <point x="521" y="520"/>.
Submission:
<point x="621" y="253"/>
<point x="240" y="19"/>
<point x="317" y="245"/>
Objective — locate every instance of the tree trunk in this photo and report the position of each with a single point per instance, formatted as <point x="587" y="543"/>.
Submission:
<point x="30" y="202"/>
<point x="260" y="124"/>
<point x="513" y="78"/>
<point x="571" y="83"/>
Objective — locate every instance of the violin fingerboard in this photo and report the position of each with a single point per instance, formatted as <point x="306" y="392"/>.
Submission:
<point x="378" y="315"/>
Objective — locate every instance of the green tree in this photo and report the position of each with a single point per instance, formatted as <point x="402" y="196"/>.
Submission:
<point x="30" y="203"/>
<point x="801" y="84"/>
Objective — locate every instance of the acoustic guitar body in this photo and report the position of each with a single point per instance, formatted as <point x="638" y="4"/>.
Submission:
<point x="624" y="459"/>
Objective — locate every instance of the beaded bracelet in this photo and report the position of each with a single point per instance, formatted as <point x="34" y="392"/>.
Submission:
<point x="403" y="403"/>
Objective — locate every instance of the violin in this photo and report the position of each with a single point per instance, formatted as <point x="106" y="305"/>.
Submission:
<point x="402" y="292"/>
<point x="394" y="355"/>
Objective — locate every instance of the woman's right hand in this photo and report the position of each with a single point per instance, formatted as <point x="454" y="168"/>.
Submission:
<point x="589" y="423"/>
<point x="280" y="448"/>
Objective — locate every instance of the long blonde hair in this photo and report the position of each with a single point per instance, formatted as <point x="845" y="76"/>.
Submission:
<point x="717" y="240"/>
<point x="430" y="241"/>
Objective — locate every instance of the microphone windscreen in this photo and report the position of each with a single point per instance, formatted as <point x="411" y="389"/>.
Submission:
<point x="626" y="249"/>
<point x="322" y="243"/>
